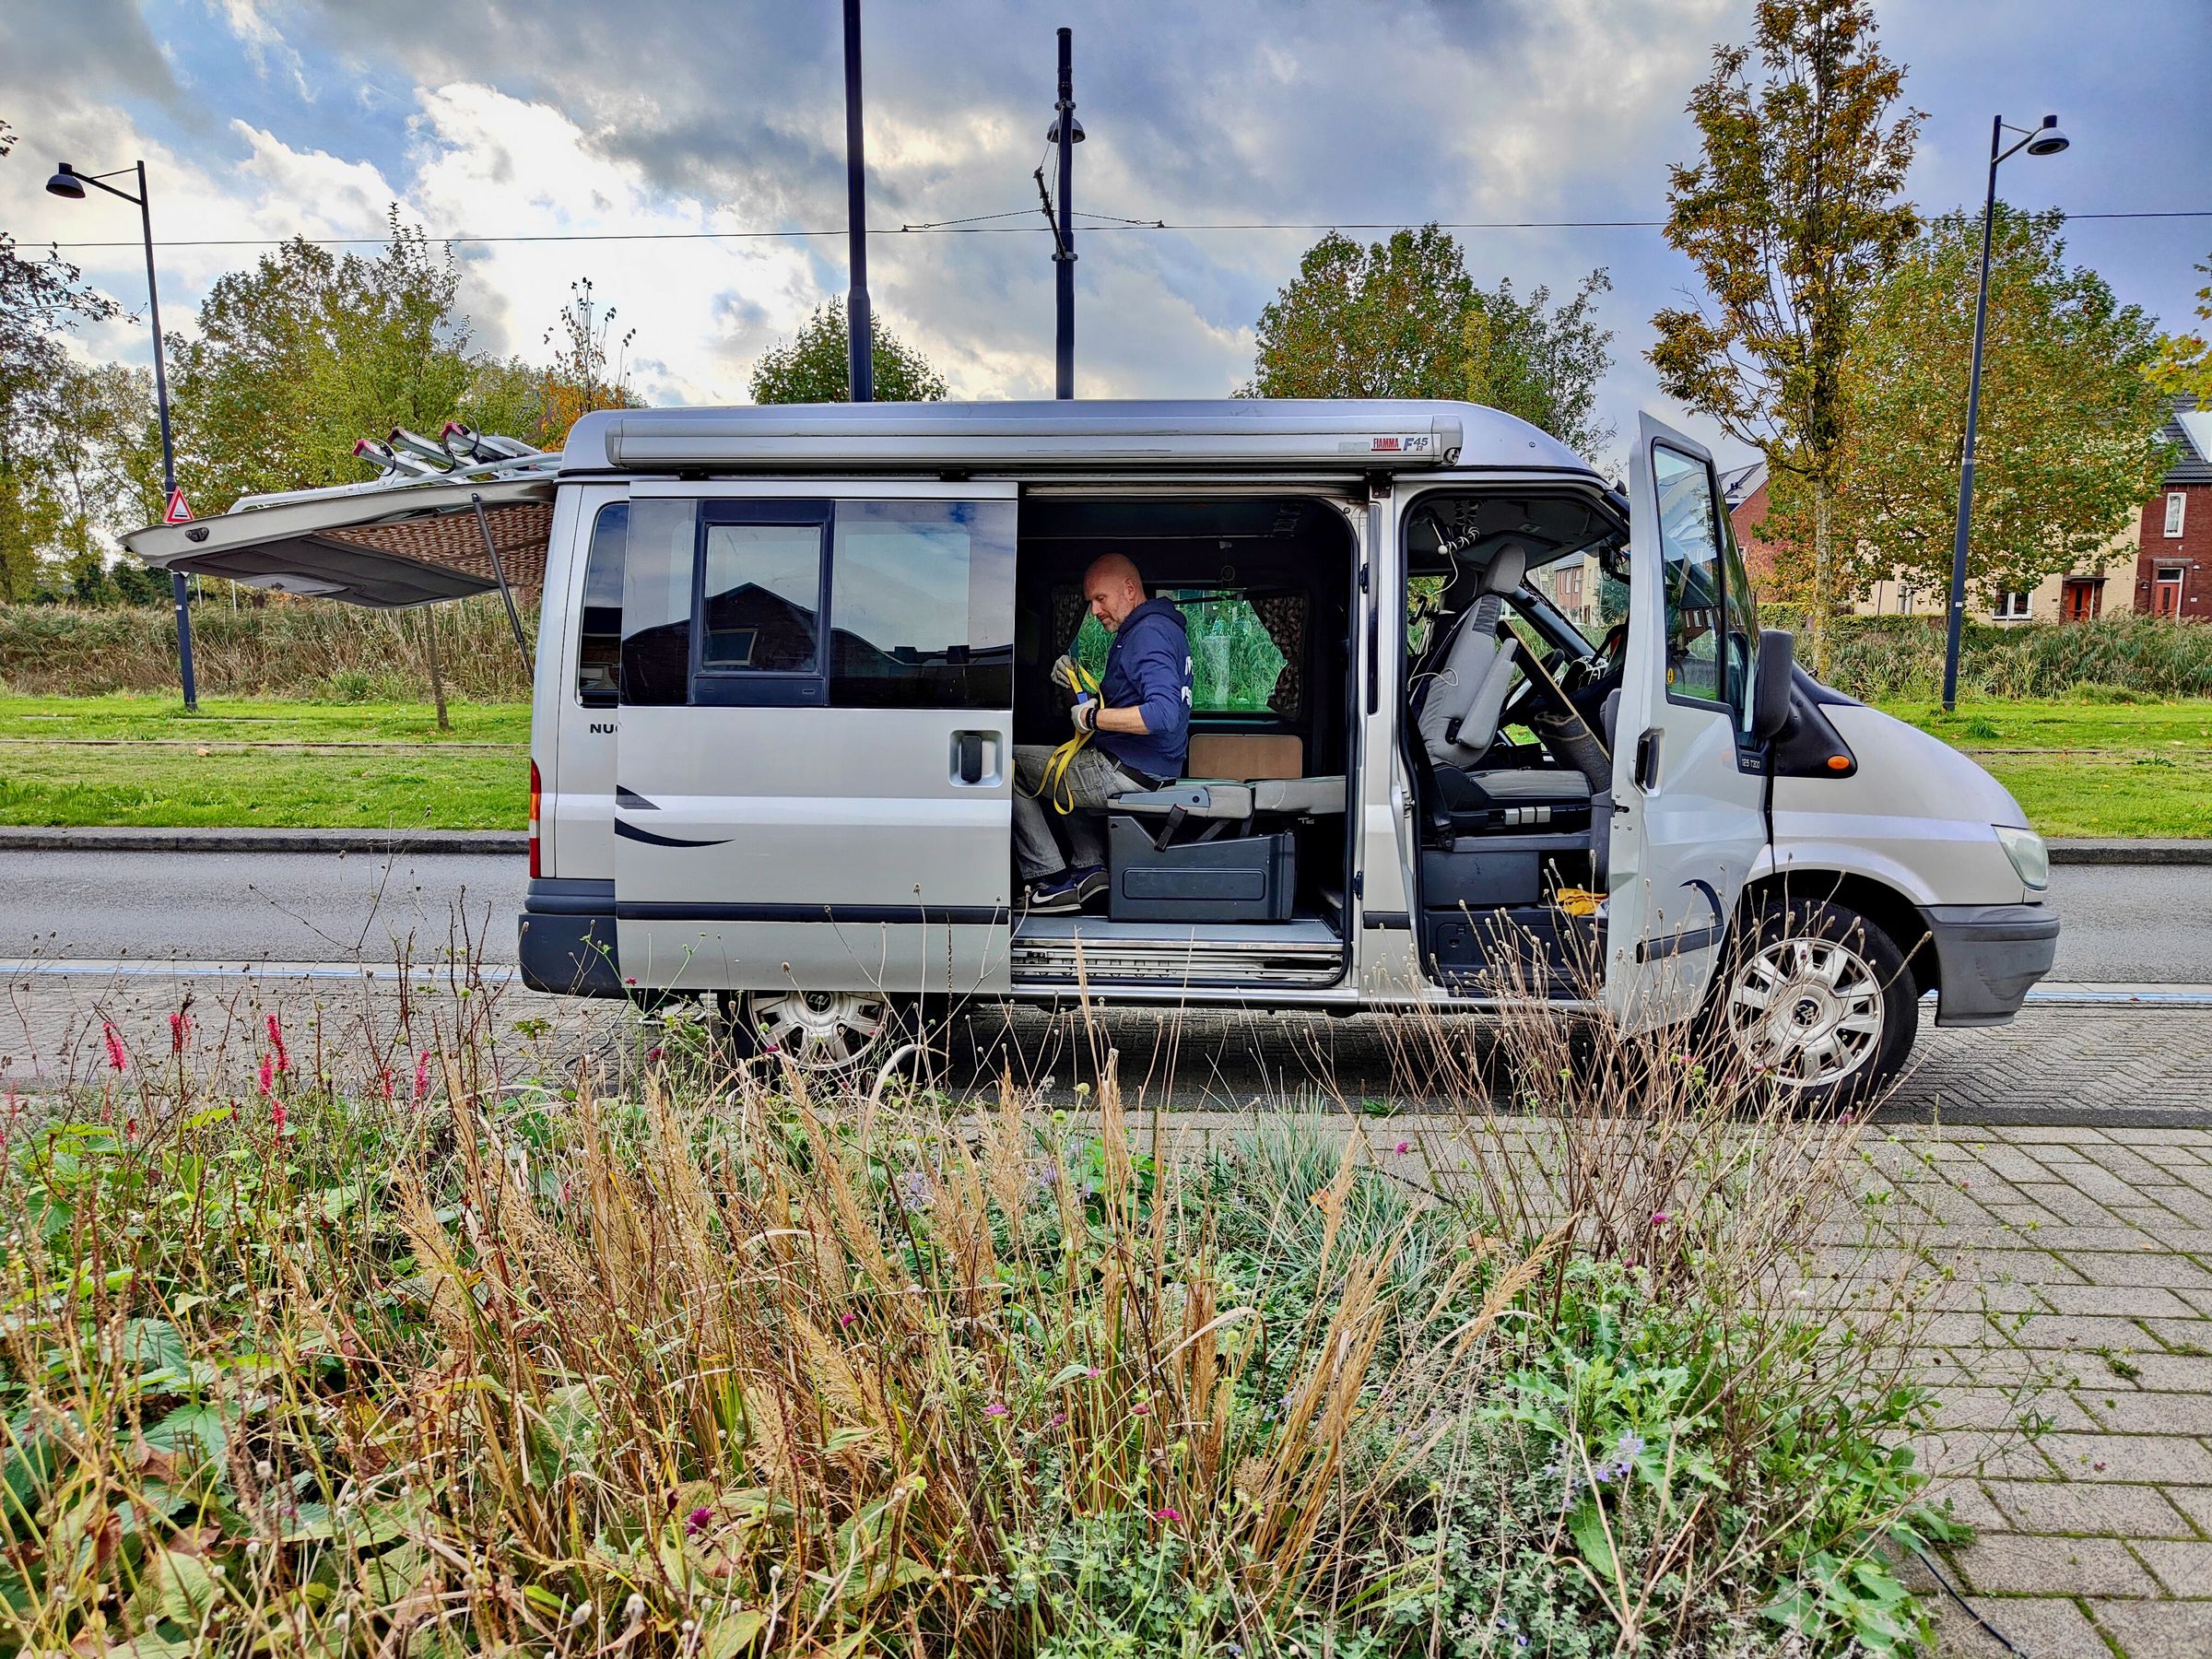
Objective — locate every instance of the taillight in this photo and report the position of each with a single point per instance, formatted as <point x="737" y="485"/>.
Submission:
<point x="536" y="790"/>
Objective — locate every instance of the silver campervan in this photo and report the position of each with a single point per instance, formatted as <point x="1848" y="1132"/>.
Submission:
<point x="1466" y="723"/>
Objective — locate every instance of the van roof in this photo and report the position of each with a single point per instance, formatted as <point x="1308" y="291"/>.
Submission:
<point x="1351" y="434"/>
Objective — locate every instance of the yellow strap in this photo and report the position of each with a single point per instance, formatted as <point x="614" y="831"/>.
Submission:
<point x="1054" y="785"/>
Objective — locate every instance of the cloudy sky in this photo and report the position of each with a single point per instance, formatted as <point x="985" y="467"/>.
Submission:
<point x="553" y="118"/>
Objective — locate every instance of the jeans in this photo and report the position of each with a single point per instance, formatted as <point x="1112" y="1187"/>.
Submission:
<point x="1091" y="777"/>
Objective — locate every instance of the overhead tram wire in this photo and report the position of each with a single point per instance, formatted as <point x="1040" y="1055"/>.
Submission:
<point x="961" y="228"/>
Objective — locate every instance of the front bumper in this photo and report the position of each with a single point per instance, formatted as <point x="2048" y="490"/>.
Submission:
<point x="1987" y="958"/>
<point x="568" y="939"/>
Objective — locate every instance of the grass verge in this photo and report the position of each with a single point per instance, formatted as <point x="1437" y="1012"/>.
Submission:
<point x="361" y="1347"/>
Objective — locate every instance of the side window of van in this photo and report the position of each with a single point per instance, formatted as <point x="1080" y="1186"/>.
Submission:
<point x="1690" y="548"/>
<point x="921" y="604"/>
<point x="599" y="633"/>
<point x="657" y="567"/>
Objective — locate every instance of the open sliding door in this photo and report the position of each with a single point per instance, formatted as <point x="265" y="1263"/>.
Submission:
<point x="1689" y="778"/>
<point x="814" y="774"/>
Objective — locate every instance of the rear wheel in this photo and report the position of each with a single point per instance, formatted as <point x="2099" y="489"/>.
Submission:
<point x="826" y="1032"/>
<point x="1816" y="1000"/>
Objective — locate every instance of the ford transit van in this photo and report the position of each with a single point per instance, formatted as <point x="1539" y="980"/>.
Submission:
<point x="1467" y="724"/>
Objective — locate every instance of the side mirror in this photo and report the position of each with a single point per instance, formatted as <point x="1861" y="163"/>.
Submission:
<point x="1771" y="691"/>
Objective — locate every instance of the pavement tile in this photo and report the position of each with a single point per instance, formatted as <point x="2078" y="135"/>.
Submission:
<point x="2050" y="1627"/>
<point x="1970" y="1504"/>
<point x="2183" y="1201"/>
<point x="2195" y="1503"/>
<point x="2012" y="1564"/>
<point x="1992" y="1454"/>
<point x="2010" y="1162"/>
<point x="2011" y="1409"/>
<point x="2151" y="1136"/>
<point x="2164" y="1629"/>
<point x="2029" y="1135"/>
<point x="2068" y="1203"/>
<point x="2101" y="1184"/>
<point x="2078" y="1506"/>
<point x="2186" y="1569"/>
<point x="2125" y="1162"/>
<point x="2174" y="1373"/>
<point x="2129" y="1301"/>
<point x="2141" y="1413"/>
<point x="2140" y="1268"/>
<point x="2200" y="1300"/>
<point x="2154" y="1457"/>
<point x="2080" y="1331"/>
<point x="2182" y="1336"/>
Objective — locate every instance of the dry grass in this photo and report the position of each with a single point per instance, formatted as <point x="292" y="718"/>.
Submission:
<point x="671" y="1356"/>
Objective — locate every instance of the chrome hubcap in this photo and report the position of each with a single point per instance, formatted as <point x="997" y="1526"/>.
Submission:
<point x="821" y="1030"/>
<point x="1807" y="1011"/>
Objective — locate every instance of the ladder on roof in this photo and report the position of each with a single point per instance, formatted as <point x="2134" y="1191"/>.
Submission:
<point x="459" y="453"/>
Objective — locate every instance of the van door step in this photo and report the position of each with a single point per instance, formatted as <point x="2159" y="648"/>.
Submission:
<point x="1046" y="951"/>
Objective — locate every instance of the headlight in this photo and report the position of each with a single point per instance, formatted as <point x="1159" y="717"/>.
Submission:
<point x="2029" y="857"/>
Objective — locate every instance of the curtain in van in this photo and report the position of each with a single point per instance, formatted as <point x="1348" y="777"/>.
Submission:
<point x="1284" y="618"/>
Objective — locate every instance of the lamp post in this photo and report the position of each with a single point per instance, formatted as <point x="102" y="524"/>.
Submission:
<point x="69" y="184"/>
<point x="860" y="321"/>
<point x="2045" y="140"/>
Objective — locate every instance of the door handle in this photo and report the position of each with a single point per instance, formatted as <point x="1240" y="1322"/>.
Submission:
<point x="1646" y="774"/>
<point x="975" y="759"/>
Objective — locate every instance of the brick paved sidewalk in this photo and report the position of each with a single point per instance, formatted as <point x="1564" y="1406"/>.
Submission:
<point x="2074" y="1365"/>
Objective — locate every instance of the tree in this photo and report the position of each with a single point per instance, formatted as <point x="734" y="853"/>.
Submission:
<point x="306" y="353"/>
<point x="2067" y="447"/>
<point x="39" y="301"/>
<point x="2185" y="365"/>
<point x="1404" y="318"/>
<point x="814" y="366"/>
<point x="583" y="375"/>
<point x="1792" y="214"/>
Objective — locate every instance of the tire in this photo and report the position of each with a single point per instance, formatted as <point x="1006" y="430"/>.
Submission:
<point x="828" y="1034"/>
<point x="1815" y="1000"/>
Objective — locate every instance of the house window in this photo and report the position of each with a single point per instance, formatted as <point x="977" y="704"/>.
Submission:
<point x="2012" y="606"/>
<point x="2175" y="502"/>
<point x="2166" y="596"/>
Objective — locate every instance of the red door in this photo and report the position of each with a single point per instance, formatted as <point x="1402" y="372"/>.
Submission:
<point x="2166" y="595"/>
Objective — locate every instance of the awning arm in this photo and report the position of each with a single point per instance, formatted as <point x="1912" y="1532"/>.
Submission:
<point x="499" y="574"/>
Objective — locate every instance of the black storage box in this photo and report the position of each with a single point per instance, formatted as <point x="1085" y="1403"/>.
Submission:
<point x="1248" y="878"/>
<point x="1485" y="871"/>
<point x="1532" y="947"/>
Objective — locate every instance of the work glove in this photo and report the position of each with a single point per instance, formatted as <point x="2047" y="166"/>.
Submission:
<point x="1064" y="675"/>
<point x="1084" y="716"/>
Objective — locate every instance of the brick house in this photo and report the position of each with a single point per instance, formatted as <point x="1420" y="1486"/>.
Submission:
<point x="2173" y="561"/>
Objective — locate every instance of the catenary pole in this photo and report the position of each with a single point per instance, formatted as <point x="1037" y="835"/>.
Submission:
<point x="1064" y="251"/>
<point x="859" y="322"/>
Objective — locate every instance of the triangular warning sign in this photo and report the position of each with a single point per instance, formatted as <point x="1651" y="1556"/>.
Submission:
<point x="179" y="509"/>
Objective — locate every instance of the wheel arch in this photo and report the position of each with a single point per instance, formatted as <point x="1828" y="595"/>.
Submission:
<point x="1883" y="905"/>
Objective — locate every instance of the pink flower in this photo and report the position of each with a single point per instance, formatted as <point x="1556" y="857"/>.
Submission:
<point x="115" y="1055"/>
<point x="384" y="1078"/>
<point x="267" y="1076"/>
<point x="284" y="1058"/>
<point x="180" y="1031"/>
<point x="846" y="1319"/>
<point x="1140" y="1409"/>
<point x="1058" y="1419"/>
<point x="697" y="1521"/>
<point x="994" y="1410"/>
<point x="1658" y="1217"/>
<point x="422" y="1077"/>
<point x="1403" y="1147"/>
<point x="1094" y="1371"/>
<point x="1167" y="1514"/>
<point x="652" y="1055"/>
<point x="276" y="1117"/>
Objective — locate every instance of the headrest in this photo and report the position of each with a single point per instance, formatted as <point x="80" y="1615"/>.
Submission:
<point x="1502" y="575"/>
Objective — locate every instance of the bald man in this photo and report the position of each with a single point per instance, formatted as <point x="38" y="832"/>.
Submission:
<point x="1140" y="723"/>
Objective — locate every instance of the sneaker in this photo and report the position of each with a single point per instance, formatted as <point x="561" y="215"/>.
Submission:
<point x="1090" y="883"/>
<point x="1059" y="894"/>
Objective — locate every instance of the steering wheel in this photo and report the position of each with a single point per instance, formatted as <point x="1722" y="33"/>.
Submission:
<point x="1538" y="689"/>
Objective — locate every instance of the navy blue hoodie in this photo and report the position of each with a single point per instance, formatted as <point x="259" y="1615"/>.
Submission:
<point x="1148" y="667"/>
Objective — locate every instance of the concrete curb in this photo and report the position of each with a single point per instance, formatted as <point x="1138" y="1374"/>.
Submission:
<point x="2131" y="851"/>
<point x="122" y="839"/>
<point x="496" y="843"/>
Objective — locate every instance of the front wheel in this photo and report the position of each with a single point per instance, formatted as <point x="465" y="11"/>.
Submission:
<point x="1816" y="1000"/>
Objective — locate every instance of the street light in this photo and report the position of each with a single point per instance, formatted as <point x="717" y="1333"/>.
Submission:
<point x="2045" y="140"/>
<point x="69" y="184"/>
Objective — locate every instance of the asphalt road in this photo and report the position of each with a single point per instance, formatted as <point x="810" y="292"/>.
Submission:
<point x="2122" y="924"/>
